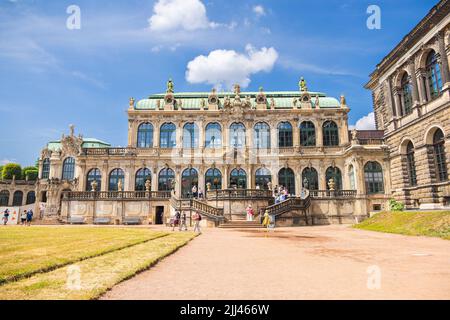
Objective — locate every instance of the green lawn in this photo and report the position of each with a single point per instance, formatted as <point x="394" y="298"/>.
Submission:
<point x="432" y="224"/>
<point x="96" y="275"/>
<point x="27" y="250"/>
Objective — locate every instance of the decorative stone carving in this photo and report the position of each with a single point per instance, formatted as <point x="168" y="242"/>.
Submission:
<point x="120" y="185"/>
<point x="46" y="153"/>
<point x="131" y="103"/>
<point x="343" y="101"/>
<point x="302" y="85"/>
<point x="169" y="86"/>
<point x="331" y="184"/>
<point x="317" y="102"/>
<point x="148" y="185"/>
<point x="71" y="145"/>
<point x="94" y="186"/>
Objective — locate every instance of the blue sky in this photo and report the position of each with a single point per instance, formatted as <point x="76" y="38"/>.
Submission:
<point x="51" y="76"/>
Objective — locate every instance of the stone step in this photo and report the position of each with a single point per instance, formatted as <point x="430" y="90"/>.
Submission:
<point x="241" y="224"/>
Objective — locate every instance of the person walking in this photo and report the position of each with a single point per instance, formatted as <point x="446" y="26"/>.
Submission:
<point x="183" y="222"/>
<point x="194" y="192"/>
<point x="197" y="218"/>
<point x="266" y="221"/>
<point x="23" y="217"/>
<point x="250" y="213"/>
<point x="5" y="216"/>
<point x="176" y="221"/>
<point x="29" y="217"/>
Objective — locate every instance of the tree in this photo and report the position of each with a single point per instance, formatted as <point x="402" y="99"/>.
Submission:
<point x="30" y="172"/>
<point x="1" y="171"/>
<point x="10" y="170"/>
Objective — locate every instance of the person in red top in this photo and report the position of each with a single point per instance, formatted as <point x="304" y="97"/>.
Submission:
<point x="250" y="213"/>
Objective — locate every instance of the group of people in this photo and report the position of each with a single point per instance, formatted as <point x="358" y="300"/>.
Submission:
<point x="179" y="220"/>
<point x="26" y="217"/>
<point x="197" y="193"/>
<point x="280" y="194"/>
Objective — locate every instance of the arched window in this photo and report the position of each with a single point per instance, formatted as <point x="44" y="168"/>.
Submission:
<point x="214" y="177"/>
<point x="330" y="134"/>
<point x="114" y="177"/>
<point x="307" y="134"/>
<point x="310" y="179"/>
<point x="213" y="136"/>
<point x="373" y="174"/>
<point x="94" y="175"/>
<point x="167" y="136"/>
<point x="434" y="75"/>
<point x="145" y="136"/>
<point x="262" y="177"/>
<point x="238" y="179"/>
<point x="286" y="178"/>
<point x="261" y="136"/>
<point x="285" y="135"/>
<point x="190" y="136"/>
<point x="17" y="199"/>
<point x="165" y="178"/>
<point x="439" y="156"/>
<point x="406" y="89"/>
<point x="68" y="169"/>
<point x="237" y="135"/>
<point x="31" y="197"/>
<point x="142" y="176"/>
<point x="189" y="179"/>
<point x="335" y="174"/>
<point x="411" y="164"/>
<point x="45" y="168"/>
<point x="351" y="177"/>
<point x="4" y="198"/>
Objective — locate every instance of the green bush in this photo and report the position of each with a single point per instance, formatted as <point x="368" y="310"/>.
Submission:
<point x="31" y="172"/>
<point x="1" y="172"/>
<point x="396" y="206"/>
<point x="10" y="170"/>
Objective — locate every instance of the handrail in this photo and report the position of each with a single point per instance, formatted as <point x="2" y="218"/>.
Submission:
<point x="206" y="208"/>
<point x="108" y="151"/>
<point x="227" y="194"/>
<point x="288" y="205"/>
<point x="318" y="194"/>
<point x="115" y="195"/>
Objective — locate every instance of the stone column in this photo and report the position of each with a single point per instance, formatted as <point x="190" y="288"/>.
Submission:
<point x="105" y="178"/>
<point x="343" y="139"/>
<point x="201" y="135"/>
<point x="321" y="176"/>
<point x="298" y="179"/>
<point x="390" y="100"/>
<point x="359" y="175"/>
<point x="225" y="176"/>
<point x="273" y="135"/>
<point x="251" y="177"/>
<point x="179" y="135"/>
<point x="420" y="76"/>
<point x="444" y="58"/>
<point x="201" y="179"/>
<point x="80" y="173"/>
<point x="319" y="133"/>
<point x="296" y="134"/>
<point x="412" y="73"/>
<point x="398" y="102"/>
<point x="155" y="172"/>
<point x="129" y="178"/>
<point x="156" y="133"/>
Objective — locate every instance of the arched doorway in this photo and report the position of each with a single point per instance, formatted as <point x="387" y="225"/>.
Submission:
<point x="238" y="179"/>
<point x="189" y="179"/>
<point x="335" y="174"/>
<point x="214" y="177"/>
<point x="286" y="178"/>
<point x="262" y="177"/>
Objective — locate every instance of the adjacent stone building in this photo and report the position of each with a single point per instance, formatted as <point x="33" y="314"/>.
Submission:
<point x="411" y="94"/>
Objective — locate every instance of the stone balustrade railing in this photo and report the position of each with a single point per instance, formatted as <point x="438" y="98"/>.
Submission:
<point x="116" y="195"/>
<point x="318" y="194"/>
<point x="229" y="194"/>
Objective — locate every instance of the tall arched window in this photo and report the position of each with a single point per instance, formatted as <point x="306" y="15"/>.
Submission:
<point x="406" y="89"/>
<point x="190" y="136"/>
<point x="17" y="199"/>
<point x="434" y="75"/>
<point x="285" y="135"/>
<point x="330" y="134"/>
<point x="167" y="136"/>
<point x="238" y="179"/>
<point x="145" y="136"/>
<point x="31" y="197"/>
<point x="237" y="135"/>
<point x="351" y="177"/>
<point x="214" y="177"/>
<point x="142" y="176"/>
<point x="4" y="198"/>
<point x="94" y="175"/>
<point x="45" y="168"/>
<point x="213" y="136"/>
<point x="307" y="134"/>
<point x="286" y="178"/>
<point x="335" y="174"/>
<point x="165" y="178"/>
<point x="114" y="177"/>
<point x="261" y="136"/>
<point x="262" y="177"/>
<point x="439" y="156"/>
<point x="68" y="169"/>
<point x="310" y="179"/>
<point x="373" y="173"/>
<point x="411" y="164"/>
<point x="189" y="179"/>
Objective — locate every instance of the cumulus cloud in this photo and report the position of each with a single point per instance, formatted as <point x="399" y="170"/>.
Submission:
<point x="259" y="10"/>
<point x="227" y="67"/>
<point x="179" y="14"/>
<point x="365" y="123"/>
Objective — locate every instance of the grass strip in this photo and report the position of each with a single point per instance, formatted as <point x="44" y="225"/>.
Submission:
<point x="97" y="275"/>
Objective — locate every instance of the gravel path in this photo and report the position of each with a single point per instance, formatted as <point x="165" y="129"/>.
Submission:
<point x="329" y="262"/>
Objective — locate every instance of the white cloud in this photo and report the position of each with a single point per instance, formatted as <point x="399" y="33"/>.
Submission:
<point x="227" y="67"/>
<point x="6" y="161"/>
<point x="179" y="14"/>
<point x="259" y="10"/>
<point x="365" y="123"/>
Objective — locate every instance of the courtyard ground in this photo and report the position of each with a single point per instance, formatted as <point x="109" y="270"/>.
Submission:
<point x="328" y="262"/>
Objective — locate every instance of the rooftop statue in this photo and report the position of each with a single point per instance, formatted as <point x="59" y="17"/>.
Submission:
<point x="343" y="101"/>
<point x="237" y="89"/>
<point x="302" y="85"/>
<point x="169" y="86"/>
<point x="132" y="103"/>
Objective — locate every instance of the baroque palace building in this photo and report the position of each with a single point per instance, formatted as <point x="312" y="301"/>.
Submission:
<point x="411" y="94"/>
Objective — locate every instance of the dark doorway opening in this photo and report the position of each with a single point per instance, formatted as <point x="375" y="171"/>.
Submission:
<point x="159" y="219"/>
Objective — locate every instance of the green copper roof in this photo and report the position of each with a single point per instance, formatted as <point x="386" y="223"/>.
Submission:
<point x="87" y="143"/>
<point x="193" y="100"/>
